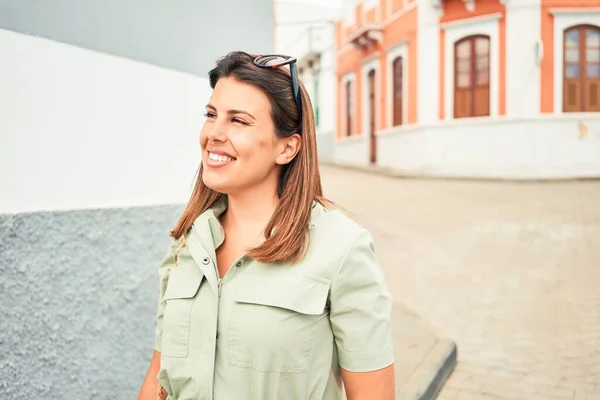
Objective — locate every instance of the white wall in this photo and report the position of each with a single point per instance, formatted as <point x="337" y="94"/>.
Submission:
<point x="353" y="150"/>
<point x="318" y="39"/>
<point x="550" y="147"/>
<point x="80" y="129"/>
<point x="327" y="85"/>
<point x="523" y="71"/>
<point x="428" y="60"/>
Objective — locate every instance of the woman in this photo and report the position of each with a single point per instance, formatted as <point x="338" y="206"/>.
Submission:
<point x="266" y="292"/>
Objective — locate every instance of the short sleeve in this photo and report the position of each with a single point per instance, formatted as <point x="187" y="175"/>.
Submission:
<point x="361" y="307"/>
<point x="163" y="275"/>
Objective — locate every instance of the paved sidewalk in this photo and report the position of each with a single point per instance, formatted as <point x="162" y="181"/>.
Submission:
<point x="510" y="271"/>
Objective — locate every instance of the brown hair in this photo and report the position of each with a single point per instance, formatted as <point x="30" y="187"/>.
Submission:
<point x="299" y="184"/>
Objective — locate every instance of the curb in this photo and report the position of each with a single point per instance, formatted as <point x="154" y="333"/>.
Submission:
<point x="429" y="378"/>
<point x="424" y="360"/>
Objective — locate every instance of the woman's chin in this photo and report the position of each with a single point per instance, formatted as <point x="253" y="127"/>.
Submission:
<point x="217" y="183"/>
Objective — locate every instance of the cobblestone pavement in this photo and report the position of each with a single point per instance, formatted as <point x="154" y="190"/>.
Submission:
<point x="509" y="271"/>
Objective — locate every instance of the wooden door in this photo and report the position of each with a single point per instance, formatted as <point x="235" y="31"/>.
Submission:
<point x="372" y="136"/>
<point x="398" y="89"/>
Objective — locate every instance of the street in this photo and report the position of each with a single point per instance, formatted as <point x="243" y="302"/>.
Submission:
<point x="510" y="271"/>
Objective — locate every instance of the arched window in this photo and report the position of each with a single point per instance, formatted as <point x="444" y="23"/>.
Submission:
<point x="581" y="69"/>
<point x="397" y="82"/>
<point x="472" y="77"/>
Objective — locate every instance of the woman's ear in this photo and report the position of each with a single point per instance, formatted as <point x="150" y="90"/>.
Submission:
<point x="288" y="149"/>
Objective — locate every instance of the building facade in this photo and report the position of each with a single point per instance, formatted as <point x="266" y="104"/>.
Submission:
<point x="470" y="88"/>
<point x="314" y="48"/>
<point x="311" y="39"/>
<point x="101" y="105"/>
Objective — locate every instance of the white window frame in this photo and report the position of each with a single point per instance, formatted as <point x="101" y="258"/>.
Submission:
<point x="402" y="51"/>
<point x="565" y="18"/>
<point x="456" y="30"/>
<point x="371" y="64"/>
<point x="349" y="77"/>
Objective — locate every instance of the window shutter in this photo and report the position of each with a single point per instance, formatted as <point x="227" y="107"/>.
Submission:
<point x="482" y="100"/>
<point x="592" y="95"/>
<point x="462" y="102"/>
<point x="571" y="95"/>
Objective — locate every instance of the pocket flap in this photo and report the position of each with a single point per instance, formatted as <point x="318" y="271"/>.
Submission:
<point x="302" y="294"/>
<point x="183" y="283"/>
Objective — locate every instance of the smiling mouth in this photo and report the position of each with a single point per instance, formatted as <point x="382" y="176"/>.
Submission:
<point x="219" y="157"/>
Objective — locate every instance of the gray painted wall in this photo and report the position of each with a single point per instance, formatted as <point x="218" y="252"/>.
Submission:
<point x="78" y="295"/>
<point x="185" y="35"/>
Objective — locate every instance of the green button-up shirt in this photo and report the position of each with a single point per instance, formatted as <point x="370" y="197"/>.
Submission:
<point x="271" y="331"/>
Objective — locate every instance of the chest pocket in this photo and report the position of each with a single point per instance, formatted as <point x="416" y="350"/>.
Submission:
<point x="274" y="322"/>
<point x="182" y="287"/>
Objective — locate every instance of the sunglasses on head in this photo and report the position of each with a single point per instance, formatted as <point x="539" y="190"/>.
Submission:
<point x="279" y="60"/>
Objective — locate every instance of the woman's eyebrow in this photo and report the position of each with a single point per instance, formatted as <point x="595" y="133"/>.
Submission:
<point x="232" y="112"/>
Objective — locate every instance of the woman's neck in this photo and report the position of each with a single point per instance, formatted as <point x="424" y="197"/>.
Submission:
<point x="249" y="212"/>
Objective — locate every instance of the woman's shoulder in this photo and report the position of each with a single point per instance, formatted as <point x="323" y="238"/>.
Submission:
<point x="338" y="228"/>
<point x="341" y="246"/>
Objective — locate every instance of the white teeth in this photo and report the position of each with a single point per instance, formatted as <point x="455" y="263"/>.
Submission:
<point x="217" y="157"/>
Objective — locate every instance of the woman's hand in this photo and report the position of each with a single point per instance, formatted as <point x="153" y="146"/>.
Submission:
<point x="148" y="391"/>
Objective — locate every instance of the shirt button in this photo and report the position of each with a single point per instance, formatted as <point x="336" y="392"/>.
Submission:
<point x="238" y="264"/>
<point x="205" y="260"/>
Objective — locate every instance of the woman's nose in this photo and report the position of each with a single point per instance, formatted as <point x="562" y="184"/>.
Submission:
<point x="217" y="130"/>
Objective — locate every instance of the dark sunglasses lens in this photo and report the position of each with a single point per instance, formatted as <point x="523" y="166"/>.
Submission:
<point x="271" y="61"/>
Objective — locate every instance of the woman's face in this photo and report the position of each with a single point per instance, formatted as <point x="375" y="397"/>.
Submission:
<point x="240" y="150"/>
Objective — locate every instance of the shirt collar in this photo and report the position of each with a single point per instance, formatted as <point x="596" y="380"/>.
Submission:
<point x="210" y="230"/>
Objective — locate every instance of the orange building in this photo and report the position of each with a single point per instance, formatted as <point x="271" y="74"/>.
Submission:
<point x="470" y="88"/>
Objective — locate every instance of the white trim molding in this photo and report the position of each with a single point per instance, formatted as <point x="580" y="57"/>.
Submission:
<point x="372" y="64"/>
<point x="456" y="30"/>
<point x="571" y="11"/>
<point x="402" y="51"/>
<point x="565" y="18"/>
<point x="349" y="77"/>
<point x="524" y="54"/>
<point x="493" y="17"/>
